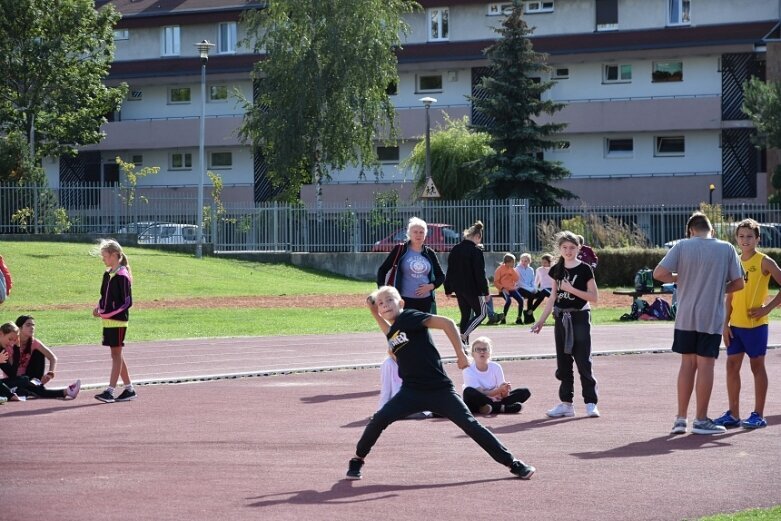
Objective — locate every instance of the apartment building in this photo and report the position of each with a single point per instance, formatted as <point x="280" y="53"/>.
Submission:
<point x="652" y="91"/>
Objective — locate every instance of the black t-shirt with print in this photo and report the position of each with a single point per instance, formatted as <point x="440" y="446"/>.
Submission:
<point x="578" y="277"/>
<point x="420" y="366"/>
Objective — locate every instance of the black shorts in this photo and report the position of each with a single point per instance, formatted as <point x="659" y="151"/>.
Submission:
<point x="696" y="343"/>
<point x="114" y="336"/>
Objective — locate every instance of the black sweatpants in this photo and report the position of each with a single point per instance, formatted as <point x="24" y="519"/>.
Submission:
<point x="444" y="402"/>
<point x="473" y="310"/>
<point x="475" y="399"/>
<point x="24" y="387"/>
<point x="581" y="356"/>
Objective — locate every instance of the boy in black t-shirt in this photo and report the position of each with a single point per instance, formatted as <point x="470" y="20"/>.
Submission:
<point x="425" y="384"/>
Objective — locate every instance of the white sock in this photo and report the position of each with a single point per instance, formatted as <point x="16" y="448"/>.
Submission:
<point x="110" y="390"/>
<point x="129" y="387"/>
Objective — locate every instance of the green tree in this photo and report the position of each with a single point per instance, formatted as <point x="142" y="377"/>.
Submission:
<point x="762" y="103"/>
<point x="455" y="152"/>
<point x="55" y="55"/>
<point x="321" y="93"/>
<point x="15" y="163"/>
<point x="513" y="97"/>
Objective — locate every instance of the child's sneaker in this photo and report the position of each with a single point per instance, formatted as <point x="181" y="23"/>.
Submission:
<point x="592" y="411"/>
<point x="522" y="470"/>
<point x="105" y="396"/>
<point x="354" y="469"/>
<point x="679" y="427"/>
<point x="126" y="396"/>
<point x="754" y="421"/>
<point x="727" y="420"/>
<point x="486" y="409"/>
<point x="562" y="410"/>
<point x="3" y="399"/>
<point x="72" y="391"/>
<point x="707" y="426"/>
<point x="513" y="408"/>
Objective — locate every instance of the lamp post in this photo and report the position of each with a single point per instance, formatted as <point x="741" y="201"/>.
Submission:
<point x="427" y="101"/>
<point x="711" y="188"/>
<point x="203" y="52"/>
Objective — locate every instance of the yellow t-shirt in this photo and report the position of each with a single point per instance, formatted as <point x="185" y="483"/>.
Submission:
<point x="753" y="294"/>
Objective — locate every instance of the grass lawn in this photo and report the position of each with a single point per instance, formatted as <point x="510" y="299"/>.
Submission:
<point x="755" y="514"/>
<point x="59" y="283"/>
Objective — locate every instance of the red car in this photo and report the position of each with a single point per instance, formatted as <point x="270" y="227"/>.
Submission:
<point x="440" y="237"/>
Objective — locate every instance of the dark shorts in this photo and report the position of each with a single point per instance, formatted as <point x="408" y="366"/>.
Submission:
<point x="749" y="340"/>
<point x="696" y="343"/>
<point x="114" y="336"/>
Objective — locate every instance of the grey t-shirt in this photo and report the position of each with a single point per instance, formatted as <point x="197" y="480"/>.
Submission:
<point x="704" y="268"/>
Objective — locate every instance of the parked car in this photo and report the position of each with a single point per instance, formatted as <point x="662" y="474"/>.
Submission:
<point x="440" y="237"/>
<point x="139" y="227"/>
<point x="169" y="233"/>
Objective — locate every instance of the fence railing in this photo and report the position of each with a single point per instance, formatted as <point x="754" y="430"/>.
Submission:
<point x="511" y="225"/>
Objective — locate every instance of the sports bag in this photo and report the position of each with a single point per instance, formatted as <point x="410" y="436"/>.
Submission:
<point x="644" y="280"/>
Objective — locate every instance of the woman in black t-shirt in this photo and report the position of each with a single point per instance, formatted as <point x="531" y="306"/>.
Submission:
<point x="574" y="288"/>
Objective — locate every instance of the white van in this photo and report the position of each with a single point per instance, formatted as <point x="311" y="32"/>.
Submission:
<point x="169" y="233"/>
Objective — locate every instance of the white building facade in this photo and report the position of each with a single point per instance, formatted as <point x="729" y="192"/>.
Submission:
<point x="652" y="91"/>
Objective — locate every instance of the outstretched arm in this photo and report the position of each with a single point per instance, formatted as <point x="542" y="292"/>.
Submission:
<point x="449" y="327"/>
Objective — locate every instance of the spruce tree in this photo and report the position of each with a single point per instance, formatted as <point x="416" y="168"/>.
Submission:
<point x="512" y="98"/>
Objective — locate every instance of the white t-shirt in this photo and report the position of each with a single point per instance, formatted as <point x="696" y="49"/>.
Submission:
<point x="390" y="381"/>
<point x="542" y="279"/>
<point x="484" y="381"/>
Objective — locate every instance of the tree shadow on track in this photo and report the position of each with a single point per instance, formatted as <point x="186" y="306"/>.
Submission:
<point x="48" y="410"/>
<point x="345" y="491"/>
<point x="666" y="444"/>
<point x="322" y="398"/>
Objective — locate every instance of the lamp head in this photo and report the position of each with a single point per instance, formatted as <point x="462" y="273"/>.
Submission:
<point x="427" y="101"/>
<point x="712" y="187"/>
<point x="203" y="50"/>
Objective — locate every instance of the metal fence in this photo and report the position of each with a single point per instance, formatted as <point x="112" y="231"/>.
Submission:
<point x="511" y="225"/>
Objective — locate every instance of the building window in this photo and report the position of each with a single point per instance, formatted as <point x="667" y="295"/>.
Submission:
<point x="137" y="159"/>
<point x="667" y="146"/>
<point x="429" y="83"/>
<point x="221" y="160"/>
<point x="171" y="41"/>
<point x="438" y="24"/>
<point x="500" y="8"/>
<point x="218" y="93"/>
<point x="667" y="71"/>
<point x="388" y="154"/>
<point x="560" y="73"/>
<point x="393" y="89"/>
<point x="562" y="146"/>
<point x="135" y="94"/>
<point x="121" y="34"/>
<point x="538" y="7"/>
<point x="179" y="95"/>
<point x="226" y="39"/>
<point x="679" y="12"/>
<point x="621" y="73"/>
<point x="619" y="147"/>
<point x="607" y="15"/>
<point x="181" y="161"/>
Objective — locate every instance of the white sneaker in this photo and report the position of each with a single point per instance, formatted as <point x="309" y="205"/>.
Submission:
<point x="73" y="390"/>
<point x="592" y="411"/>
<point x="679" y="427"/>
<point x="562" y="410"/>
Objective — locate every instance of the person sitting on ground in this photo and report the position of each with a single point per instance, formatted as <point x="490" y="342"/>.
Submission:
<point x="33" y="353"/>
<point x="506" y="280"/>
<point x="390" y="384"/>
<point x="22" y="385"/>
<point x="485" y="389"/>
<point x="528" y="289"/>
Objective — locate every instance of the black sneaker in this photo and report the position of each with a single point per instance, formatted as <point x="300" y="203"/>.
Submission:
<point x="354" y="470"/>
<point x="513" y="408"/>
<point x="106" y="397"/>
<point x="519" y="320"/>
<point x="528" y="317"/>
<point x="522" y="470"/>
<point x="126" y="396"/>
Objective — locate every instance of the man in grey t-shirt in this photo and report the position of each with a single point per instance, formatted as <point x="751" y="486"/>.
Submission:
<point x="704" y="269"/>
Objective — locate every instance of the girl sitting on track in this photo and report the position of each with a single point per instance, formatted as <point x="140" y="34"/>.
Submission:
<point x="485" y="389"/>
<point x="33" y="353"/>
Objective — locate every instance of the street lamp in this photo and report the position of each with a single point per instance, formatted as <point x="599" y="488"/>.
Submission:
<point x="203" y="52"/>
<point x="711" y="188"/>
<point x="427" y="101"/>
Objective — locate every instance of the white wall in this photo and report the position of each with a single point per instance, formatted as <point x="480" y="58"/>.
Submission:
<point x="146" y="43"/>
<point x="154" y="103"/>
<point x="240" y="173"/>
